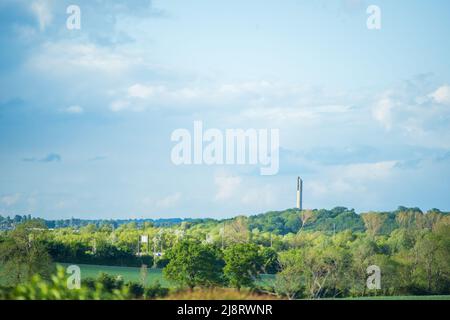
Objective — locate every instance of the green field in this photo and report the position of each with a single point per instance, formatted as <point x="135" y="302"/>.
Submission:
<point x="127" y="273"/>
<point x="133" y="274"/>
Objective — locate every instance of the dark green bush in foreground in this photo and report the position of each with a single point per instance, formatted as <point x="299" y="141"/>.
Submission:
<point x="105" y="287"/>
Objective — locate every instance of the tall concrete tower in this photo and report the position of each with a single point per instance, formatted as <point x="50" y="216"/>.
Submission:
<point x="299" y="193"/>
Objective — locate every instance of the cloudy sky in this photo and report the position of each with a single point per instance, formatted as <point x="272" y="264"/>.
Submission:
<point x="86" y="115"/>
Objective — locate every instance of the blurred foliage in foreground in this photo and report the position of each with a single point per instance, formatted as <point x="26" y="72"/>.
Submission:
<point x="105" y="287"/>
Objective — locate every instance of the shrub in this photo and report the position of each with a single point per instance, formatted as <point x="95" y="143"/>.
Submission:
<point x="135" y="290"/>
<point x="56" y="289"/>
<point x="109" y="282"/>
<point x="155" y="291"/>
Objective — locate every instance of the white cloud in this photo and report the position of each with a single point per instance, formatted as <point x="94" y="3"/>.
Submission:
<point x="415" y="114"/>
<point x="164" y="94"/>
<point x="345" y="183"/>
<point x="232" y="188"/>
<point x="144" y="92"/>
<point x="74" y="110"/>
<point x="261" y="97"/>
<point x="280" y="114"/>
<point x="169" y="201"/>
<point x="119" y="105"/>
<point x="366" y="171"/>
<point x="227" y="186"/>
<point x="441" y="95"/>
<point x="248" y="87"/>
<point x="66" y="56"/>
<point x="259" y="196"/>
<point x="9" y="200"/>
<point x="382" y="112"/>
<point x="351" y="178"/>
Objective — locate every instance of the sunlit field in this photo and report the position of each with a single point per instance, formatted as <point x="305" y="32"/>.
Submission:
<point x="133" y="274"/>
<point x="127" y="273"/>
<point x="155" y="275"/>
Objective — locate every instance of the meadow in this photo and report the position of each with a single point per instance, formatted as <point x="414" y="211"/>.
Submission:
<point x="127" y="273"/>
<point x="133" y="274"/>
<point x="154" y="275"/>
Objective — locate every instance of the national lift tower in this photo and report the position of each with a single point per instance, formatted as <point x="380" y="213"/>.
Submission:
<point x="299" y="193"/>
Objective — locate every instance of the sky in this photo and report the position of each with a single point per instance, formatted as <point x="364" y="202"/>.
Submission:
<point x="86" y="116"/>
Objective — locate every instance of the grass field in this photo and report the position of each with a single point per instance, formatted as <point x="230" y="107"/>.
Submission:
<point x="133" y="274"/>
<point x="127" y="273"/>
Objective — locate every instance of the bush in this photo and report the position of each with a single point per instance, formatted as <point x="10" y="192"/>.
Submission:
<point x="161" y="262"/>
<point x="109" y="282"/>
<point x="155" y="291"/>
<point x="89" y="283"/>
<point x="57" y="289"/>
<point x="135" y="290"/>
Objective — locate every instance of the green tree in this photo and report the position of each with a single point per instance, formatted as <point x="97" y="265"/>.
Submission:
<point x="324" y="271"/>
<point x="194" y="264"/>
<point x="23" y="254"/>
<point x="289" y="281"/>
<point x="363" y="249"/>
<point x="237" y="231"/>
<point x="269" y="260"/>
<point x="433" y="258"/>
<point x="243" y="264"/>
<point x="305" y="216"/>
<point x="373" y="222"/>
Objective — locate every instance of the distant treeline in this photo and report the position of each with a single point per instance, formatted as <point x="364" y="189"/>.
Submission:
<point x="276" y="222"/>
<point x="329" y="221"/>
<point x="9" y="222"/>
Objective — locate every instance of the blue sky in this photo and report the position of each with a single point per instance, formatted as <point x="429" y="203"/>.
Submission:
<point x="86" y="115"/>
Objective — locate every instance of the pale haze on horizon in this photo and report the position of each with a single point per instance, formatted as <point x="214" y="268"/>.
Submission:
<point x="86" y="116"/>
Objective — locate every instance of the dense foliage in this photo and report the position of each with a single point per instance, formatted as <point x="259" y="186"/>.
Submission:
<point x="104" y="287"/>
<point x="23" y="254"/>
<point x="193" y="264"/>
<point x="243" y="264"/>
<point x="312" y="254"/>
